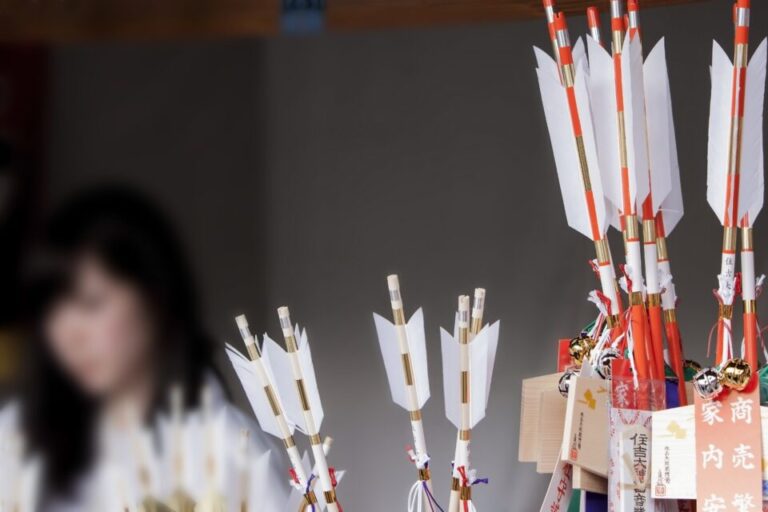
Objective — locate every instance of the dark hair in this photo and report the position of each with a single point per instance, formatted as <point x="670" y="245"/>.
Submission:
<point x="133" y="240"/>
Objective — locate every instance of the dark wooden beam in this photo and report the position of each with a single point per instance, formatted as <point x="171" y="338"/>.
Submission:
<point x="54" y="21"/>
<point x="357" y="14"/>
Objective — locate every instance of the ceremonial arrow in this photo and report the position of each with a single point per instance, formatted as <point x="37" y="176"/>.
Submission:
<point x="258" y="381"/>
<point x="735" y="173"/>
<point x="567" y="110"/>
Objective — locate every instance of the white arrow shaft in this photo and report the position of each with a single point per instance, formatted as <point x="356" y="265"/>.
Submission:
<point x="668" y="296"/>
<point x="298" y="467"/>
<point x="417" y="426"/>
<point x="635" y="264"/>
<point x="293" y="453"/>
<point x="651" y="267"/>
<point x="465" y="379"/>
<point x="323" y="473"/>
<point x="608" y="285"/>
<point x="748" y="277"/>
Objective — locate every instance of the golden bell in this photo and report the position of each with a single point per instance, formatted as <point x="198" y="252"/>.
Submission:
<point x="735" y="374"/>
<point x="579" y="348"/>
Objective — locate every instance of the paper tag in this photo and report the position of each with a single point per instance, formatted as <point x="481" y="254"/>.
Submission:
<point x="629" y="472"/>
<point x="559" y="490"/>
<point x="673" y="459"/>
<point x="728" y="453"/>
<point x="586" y="425"/>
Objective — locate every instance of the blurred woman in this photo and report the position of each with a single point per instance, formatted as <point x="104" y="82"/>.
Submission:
<point x="115" y="324"/>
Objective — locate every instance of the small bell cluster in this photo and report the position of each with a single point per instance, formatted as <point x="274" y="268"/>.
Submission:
<point x="734" y="374"/>
<point x="581" y="350"/>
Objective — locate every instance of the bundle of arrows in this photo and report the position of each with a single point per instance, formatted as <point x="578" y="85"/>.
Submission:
<point x="613" y="425"/>
<point x="469" y="353"/>
<point x="282" y="389"/>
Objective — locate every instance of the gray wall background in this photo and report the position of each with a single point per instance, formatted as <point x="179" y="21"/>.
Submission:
<point x="302" y="171"/>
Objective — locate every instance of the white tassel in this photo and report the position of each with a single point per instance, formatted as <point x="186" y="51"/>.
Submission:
<point x="417" y="497"/>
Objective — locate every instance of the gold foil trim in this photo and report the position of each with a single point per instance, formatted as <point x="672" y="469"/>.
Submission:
<point x="290" y="344"/>
<point x="464" y="387"/>
<point x="750" y="306"/>
<point x="725" y="311"/>
<point x="636" y="299"/>
<point x="602" y="251"/>
<point x="741" y="55"/>
<point x="424" y="474"/>
<point x="612" y="321"/>
<point x="330" y="496"/>
<point x="729" y="239"/>
<point x="302" y="394"/>
<point x="631" y="229"/>
<point x="618" y="41"/>
<point x="415" y="415"/>
<point x="455" y="484"/>
<point x="649" y="230"/>
<point x="310" y="497"/>
<point x="399" y="316"/>
<point x="583" y="163"/>
<point x="568" y="78"/>
<point x="253" y="351"/>
<point x="407" y="369"/>
<point x="477" y="324"/>
<point x="654" y="299"/>
<point x="315" y="440"/>
<point x="670" y="316"/>
<point x="661" y="248"/>
<point x="289" y="442"/>
<point x="465" y="493"/>
<point x="747" y="244"/>
<point x="465" y="435"/>
<point x="622" y="139"/>
<point x="272" y="400"/>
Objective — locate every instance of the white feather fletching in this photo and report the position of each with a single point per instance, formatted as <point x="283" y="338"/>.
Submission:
<point x="752" y="163"/>
<point x="657" y="101"/>
<point x="602" y="94"/>
<point x="556" y="110"/>
<point x="280" y="362"/>
<point x="579" y="54"/>
<point x="634" y="119"/>
<point x="482" y="356"/>
<point x="672" y="206"/>
<point x="254" y="390"/>
<point x="393" y="363"/>
<point x="719" y="130"/>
